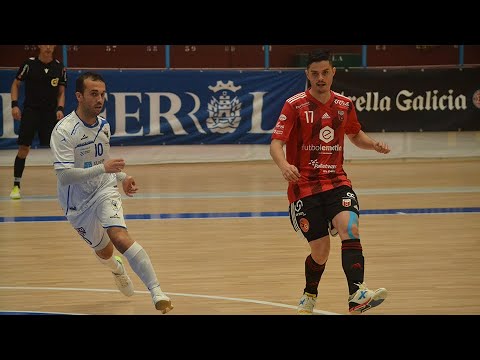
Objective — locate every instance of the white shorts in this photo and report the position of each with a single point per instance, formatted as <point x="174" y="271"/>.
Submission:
<point x="92" y="224"/>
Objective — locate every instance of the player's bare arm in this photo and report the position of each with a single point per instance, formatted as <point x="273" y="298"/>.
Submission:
<point x="15" y="90"/>
<point x="363" y="141"/>
<point x="114" y="165"/>
<point x="60" y="101"/>
<point x="289" y="171"/>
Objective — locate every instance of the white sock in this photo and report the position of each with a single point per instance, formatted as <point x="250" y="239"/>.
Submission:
<point x="112" y="264"/>
<point x="140" y="262"/>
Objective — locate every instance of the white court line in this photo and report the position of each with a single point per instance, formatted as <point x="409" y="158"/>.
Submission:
<point x="168" y="293"/>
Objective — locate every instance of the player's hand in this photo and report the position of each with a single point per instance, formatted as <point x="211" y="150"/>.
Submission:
<point x="291" y="173"/>
<point x="381" y="147"/>
<point x="129" y="186"/>
<point x="16" y="113"/>
<point x="114" y="165"/>
<point x="59" y="115"/>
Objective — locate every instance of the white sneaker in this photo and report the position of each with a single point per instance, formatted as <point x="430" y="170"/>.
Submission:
<point x="161" y="301"/>
<point x="15" y="193"/>
<point x="306" y="304"/>
<point x="123" y="281"/>
<point x="364" y="299"/>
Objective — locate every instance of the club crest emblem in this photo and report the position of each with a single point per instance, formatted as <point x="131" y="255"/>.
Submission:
<point x="224" y="110"/>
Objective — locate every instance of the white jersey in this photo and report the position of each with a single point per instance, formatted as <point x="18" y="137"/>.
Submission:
<point x="76" y="144"/>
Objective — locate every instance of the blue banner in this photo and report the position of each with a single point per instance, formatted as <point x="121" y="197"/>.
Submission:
<point x="173" y="107"/>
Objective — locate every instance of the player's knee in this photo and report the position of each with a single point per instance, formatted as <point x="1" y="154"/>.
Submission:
<point x="349" y="232"/>
<point x="320" y="252"/>
<point x="120" y="238"/>
<point x="23" y="151"/>
<point x="105" y="253"/>
<point x="349" y="226"/>
<point x="320" y="259"/>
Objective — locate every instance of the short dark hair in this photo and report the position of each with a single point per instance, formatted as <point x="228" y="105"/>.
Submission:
<point x="80" y="83"/>
<point x="319" y="55"/>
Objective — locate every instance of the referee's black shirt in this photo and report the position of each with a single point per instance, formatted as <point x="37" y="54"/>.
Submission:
<point x="41" y="82"/>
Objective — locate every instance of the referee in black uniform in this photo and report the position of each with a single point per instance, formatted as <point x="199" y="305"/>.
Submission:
<point x="45" y="80"/>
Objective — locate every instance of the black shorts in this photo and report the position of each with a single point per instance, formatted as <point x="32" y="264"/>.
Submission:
<point x="36" y="121"/>
<point x="310" y="216"/>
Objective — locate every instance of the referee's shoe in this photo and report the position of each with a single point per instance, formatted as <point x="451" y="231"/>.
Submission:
<point x="15" y="194"/>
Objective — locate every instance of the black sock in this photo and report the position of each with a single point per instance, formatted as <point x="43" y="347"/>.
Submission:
<point x="313" y="273"/>
<point x="353" y="263"/>
<point x="18" y="168"/>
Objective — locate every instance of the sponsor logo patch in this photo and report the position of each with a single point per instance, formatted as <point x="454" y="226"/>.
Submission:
<point x="304" y="225"/>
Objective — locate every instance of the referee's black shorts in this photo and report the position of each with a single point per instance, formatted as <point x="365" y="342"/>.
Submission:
<point x="35" y="121"/>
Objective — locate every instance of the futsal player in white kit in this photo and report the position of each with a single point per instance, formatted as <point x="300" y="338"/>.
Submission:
<point x="88" y="192"/>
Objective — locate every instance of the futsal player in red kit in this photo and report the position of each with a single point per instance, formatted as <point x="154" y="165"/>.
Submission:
<point x="312" y="127"/>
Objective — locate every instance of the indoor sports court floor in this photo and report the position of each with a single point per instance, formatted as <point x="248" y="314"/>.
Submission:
<point x="221" y="242"/>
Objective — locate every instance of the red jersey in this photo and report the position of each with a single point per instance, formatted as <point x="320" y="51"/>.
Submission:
<point x="314" y="134"/>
